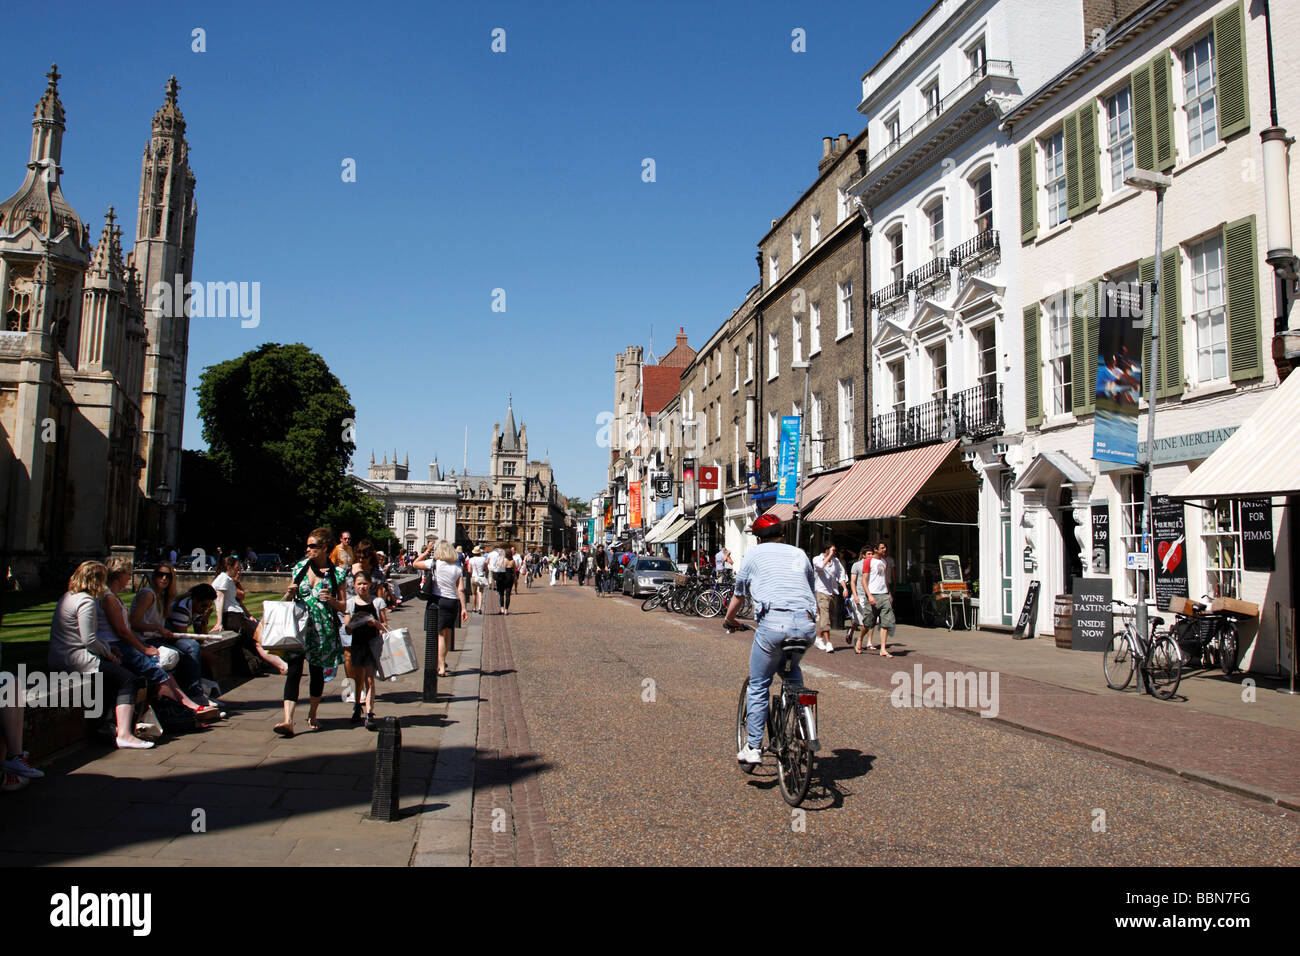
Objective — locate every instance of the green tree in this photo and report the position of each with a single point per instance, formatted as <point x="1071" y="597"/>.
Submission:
<point x="279" y="427"/>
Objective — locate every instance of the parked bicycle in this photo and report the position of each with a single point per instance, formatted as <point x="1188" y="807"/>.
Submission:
<point x="791" y="731"/>
<point x="1207" y="638"/>
<point x="1157" y="658"/>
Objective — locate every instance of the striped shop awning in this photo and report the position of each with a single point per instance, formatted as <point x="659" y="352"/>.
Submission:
<point x="1261" y="458"/>
<point x="881" y="487"/>
<point x="814" y="489"/>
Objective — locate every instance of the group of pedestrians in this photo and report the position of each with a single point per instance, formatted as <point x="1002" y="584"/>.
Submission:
<point x="866" y="592"/>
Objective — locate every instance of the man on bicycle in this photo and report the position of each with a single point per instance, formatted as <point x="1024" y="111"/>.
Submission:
<point x="779" y="580"/>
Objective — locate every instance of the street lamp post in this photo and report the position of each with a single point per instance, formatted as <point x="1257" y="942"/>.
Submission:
<point x="1150" y="181"/>
<point x="801" y="472"/>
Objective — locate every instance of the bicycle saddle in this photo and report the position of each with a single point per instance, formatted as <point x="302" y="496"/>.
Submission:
<point x="795" y="645"/>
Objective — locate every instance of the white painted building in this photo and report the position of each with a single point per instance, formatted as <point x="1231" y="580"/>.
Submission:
<point x="417" y="512"/>
<point x="1181" y="87"/>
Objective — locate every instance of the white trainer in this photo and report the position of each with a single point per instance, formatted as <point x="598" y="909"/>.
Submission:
<point x="749" y="755"/>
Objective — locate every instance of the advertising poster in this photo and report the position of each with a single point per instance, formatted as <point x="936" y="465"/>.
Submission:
<point x="787" y="485"/>
<point x="1257" y="534"/>
<point x="1170" y="535"/>
<point x="1119" y="371"/>
<point x="1101" y="537"/>
<point x="634" y="504"/>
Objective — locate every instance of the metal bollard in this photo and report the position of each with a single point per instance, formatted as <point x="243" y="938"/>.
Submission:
<point x="388" y="764"/>
<point x="430" y="692"/>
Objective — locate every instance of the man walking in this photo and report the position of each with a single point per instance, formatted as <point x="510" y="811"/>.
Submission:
<point x="832" y="585"/>
<point x="478" y="576"/>
<point x="880" y="603"/>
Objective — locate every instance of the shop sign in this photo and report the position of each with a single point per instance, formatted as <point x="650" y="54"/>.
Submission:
<point x="709" y="477"/>
<point x="1101" y="537"/>
<point x="1028" y="614"/>
<point x="1171" y="449"/>
<point x="1170" y="549"/>
<point x="1138" y="561"/>
<point x="1091" y="622"/>
<point x="1257" y="534"/>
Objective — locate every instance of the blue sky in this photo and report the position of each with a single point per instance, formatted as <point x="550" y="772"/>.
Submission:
<point x="475" y="171"/>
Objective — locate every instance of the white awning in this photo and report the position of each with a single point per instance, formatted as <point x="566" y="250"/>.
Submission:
<point x="653" y="536"/>
<point x="1261" y="459"/>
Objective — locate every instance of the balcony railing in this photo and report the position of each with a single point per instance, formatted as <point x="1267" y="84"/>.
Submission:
<point x="982" y="246"/>
<point x="935" y="269"/>
<point x="975" y="413"/>
<point x="895" y="290"/>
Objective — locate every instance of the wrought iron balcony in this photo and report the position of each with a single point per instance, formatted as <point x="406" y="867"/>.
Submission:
<point x="974" y="412"/>
<point x="932" y="271"/>
<point x="730" y="473"/>
<point x="895" y="290"/>
<point x="983" y="246"/>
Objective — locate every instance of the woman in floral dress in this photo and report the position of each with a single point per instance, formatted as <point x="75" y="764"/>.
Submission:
<point x="319" y="585"/>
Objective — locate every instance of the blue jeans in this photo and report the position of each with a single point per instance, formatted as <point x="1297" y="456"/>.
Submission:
<point x="141" y="665"/>
<point x="765" y="659"/>
<point x="188" y="669"/>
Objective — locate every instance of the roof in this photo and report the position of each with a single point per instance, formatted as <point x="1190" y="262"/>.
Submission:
<point x="661" y="385"/>
<point x="1261" y="459"/>
<point x="1052" y="464"/>
<point x="882" y="487"/>
<point x="679" y="356"/>
<point x="510" y="436"/>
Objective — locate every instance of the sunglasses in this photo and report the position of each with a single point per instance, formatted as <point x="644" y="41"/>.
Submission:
<point x="163" y="575"/>
<point x="313" y="544"/>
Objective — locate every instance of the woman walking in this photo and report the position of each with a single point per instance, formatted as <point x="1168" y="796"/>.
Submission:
<point x="319" y="585"/>
<point x="506" y="581"/>
<point x="75" y="646"/>
<point x="448" y="597"/>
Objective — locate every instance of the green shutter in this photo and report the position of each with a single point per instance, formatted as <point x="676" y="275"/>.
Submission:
<point x="1146" y="276"/>
<point x="1076" y="300"/>
<point x="1144" y="149"/>
<point x="1028" y="194"/>
<point x="1162" y="113"/>
<point x="1033" y="369"/>
<point x="1072" y="201"/>
<point x="1094" y="339"/>
<point x="1232" y="98"/>
<point x="1171" y="327"/>
<point x="1245" y="359"/>
<point x="1089" y="174"/>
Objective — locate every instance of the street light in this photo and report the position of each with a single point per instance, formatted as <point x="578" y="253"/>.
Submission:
<point x="801" y="473"/>
<point x="1157" y="183"/>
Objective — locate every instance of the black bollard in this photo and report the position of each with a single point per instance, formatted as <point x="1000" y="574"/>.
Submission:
<point x="430" y="693"/>
<point x="388" y="764"/>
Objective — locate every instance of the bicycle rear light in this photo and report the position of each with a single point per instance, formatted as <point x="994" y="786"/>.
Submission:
<point x="808" y="698"/>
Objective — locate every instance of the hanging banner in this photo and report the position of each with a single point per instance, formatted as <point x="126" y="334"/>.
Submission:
<point x="1170" y="534"/>
<point x="634" y="504"/>
<point x="709" y="477"/>
<point x="689" y="491"/>
<point x="1101" y="537"/>
<point x="787" y="484"/>
<point x="1257" y="534"/>
<point x="609" y="513"/>
<point x="1119" y="371"/>
<point x="663" y="486"/>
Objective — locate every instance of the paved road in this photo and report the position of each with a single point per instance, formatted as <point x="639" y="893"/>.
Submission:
<point x="629" y="780"/>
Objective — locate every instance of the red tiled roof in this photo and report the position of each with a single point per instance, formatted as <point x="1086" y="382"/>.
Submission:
<point x="661" y="385"/>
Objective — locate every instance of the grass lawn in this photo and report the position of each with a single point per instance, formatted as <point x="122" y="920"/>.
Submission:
<point x="28" y="613"/>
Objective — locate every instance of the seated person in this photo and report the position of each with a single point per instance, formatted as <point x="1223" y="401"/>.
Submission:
<point x="233" y="616"/>
<point x="147" y="610"/>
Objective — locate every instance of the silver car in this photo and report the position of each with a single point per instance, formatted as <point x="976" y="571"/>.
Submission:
<point x="646" y="575"/>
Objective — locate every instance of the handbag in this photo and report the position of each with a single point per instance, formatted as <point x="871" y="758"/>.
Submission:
<point x="283" y="622"/>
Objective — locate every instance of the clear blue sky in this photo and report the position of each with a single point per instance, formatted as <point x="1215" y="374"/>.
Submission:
<point x="475" y="171"/>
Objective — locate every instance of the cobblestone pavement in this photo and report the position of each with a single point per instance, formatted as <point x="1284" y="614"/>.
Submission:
<point x="633" y="716"/>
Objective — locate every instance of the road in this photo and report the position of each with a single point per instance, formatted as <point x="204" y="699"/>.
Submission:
<point x="632" y="714"/>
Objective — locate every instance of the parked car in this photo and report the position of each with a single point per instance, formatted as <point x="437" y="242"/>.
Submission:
<point x="268" y="562"/>
<point x="645" y="575"/>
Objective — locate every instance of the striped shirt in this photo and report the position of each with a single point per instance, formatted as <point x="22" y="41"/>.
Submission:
<point x="777" y="576"/>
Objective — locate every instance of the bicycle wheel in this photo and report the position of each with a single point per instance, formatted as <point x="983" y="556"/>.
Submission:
<point x="930" y="611"/>
<point x="1228" y="647"/>
<point x="653" y="601"/>
<point x="794" y="762"/>
<point x="742" y="724"/>
<point x="1117" y="662"/>
<point x="1164" y="668"/>
<point x="708" y="603"/>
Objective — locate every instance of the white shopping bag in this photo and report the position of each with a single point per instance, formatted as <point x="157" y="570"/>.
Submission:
<point x="398" y="656"/>
<point x="282" y="626"/>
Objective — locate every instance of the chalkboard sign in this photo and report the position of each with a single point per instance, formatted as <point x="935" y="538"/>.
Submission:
<point x="1028" y="615"/>
<point x="1257" y="534"/>
<point x="1091" y="624"/>
<point x="950" y="567"/>
<point x="1100" y="537"/>
<point x="1171" y="549"/>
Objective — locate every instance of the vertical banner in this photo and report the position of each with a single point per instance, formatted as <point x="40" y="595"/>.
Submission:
<point x="1119" y="371"/>
<point x="1257" y="534"/>
<point x="1101" y="537"/>
<point x="1170" y="558"/>
<point x="634" y="504"/>
<point x="787" y="485"/>
<point x="689" y="491"/>
<point x="609" y="513"/>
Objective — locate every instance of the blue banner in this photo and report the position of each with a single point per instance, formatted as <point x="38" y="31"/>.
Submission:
<point x="1121" y="329"/>
<point x="787" y="484"/>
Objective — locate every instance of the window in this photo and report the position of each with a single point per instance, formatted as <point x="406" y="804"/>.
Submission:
<point x="982" y="186"/>
<point x="815" y="430"/>
<point x="846" y="419"/>
<point x="736" y="386"/>
<point x="773" y="356"/>
<point x="934" y="215"/>
<point x="773" y="435"/>
<point x="1058" y="338"/>
<point x="976" y="56"/>
<point x="1198" y="95"/>
<point x="815" y="229"/>
<point x="899" y="386"/>
<point x="1119" y="136"/>
<point x="509" y="467"/>
<point x="690" y="405"/>
<point x="844" y="308"/>
<point x="814" y="328"/>
<point x="507" y="492"/>
<point x="1131" y="532"/>
<point x="1208" y="312"/>
<point x="773" y="269"/>
<point x="796" y="247"/>
<point x="892" y="129"/>
<point x="896" y="254"/>
<point x="1221" y="536"/>
<point x="749" y="358"/>
<point x="410" y="517"/>
<point x="392" y="518"/>
<point x="842" y="203"/>
<point x="431" y="519"/>
<point x="931" y="97"/>
<point x="717" y="414"/>
<point x="939" y="371"/>
<point x="717" y="362"/>
<point x="483" y="493"/>
<point x="1054" y="178"/>
<point x="796" y="339"/>
<point x="986" y="358"/>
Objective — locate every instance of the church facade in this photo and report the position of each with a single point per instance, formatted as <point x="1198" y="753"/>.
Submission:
<point x="92" y="377"/>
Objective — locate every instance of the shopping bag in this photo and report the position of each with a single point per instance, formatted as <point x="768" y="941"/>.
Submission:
<point x="282" y="625"/>
<point x="168" y="657"/>
<point x="398" y="655"/>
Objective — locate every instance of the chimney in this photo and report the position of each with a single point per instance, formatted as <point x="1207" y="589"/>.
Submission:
<point x="843" y="143"/>
<point x="681" y="335"/>
<point x="826" y="147"/>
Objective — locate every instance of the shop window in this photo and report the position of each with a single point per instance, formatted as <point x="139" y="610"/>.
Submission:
<point x="1221" y="537"/>
<point x="1131" y="533"/>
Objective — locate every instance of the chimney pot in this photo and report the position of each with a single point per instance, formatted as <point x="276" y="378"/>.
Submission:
<point x="844" y="141"/>
<point x="826" y="146"/>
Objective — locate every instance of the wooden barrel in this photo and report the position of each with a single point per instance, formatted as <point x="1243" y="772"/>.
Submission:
<point x="1062" y="619"/>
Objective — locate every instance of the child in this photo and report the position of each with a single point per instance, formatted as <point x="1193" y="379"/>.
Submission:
<point x="367" y="618"/>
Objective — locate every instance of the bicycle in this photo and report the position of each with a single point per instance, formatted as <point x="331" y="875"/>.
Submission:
<point x="1208" y="638"/>
<point x="1160" y="660"/>
<point x="791" y="730"/>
